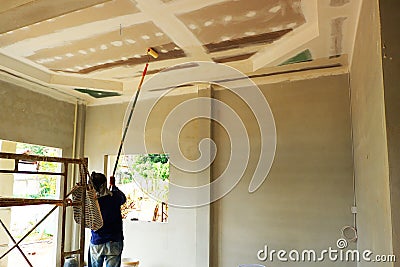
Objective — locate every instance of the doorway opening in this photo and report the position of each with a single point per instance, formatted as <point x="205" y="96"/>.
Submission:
<point x="144" y="178"/>
<point x="41" y="245"/>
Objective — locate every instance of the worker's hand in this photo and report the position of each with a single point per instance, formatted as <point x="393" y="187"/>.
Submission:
<point x="112" y="181"/>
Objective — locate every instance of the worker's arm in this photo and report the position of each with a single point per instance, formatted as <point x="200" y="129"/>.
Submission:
<point x="115" y="190"/>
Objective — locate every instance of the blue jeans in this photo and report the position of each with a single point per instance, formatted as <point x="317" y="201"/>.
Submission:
<point x="109" y="252"/>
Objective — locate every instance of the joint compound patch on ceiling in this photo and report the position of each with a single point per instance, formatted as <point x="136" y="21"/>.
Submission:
<point x="237" y="20"/>
<point x="337" y="3"/>
<point x="303" y="56"/>
<point x="97" y="93"/>
<point x="109" y="50"/>
<point x="337" y="36"/>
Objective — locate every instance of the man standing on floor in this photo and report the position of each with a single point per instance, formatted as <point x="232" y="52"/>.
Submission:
<point x="106" y="244"/>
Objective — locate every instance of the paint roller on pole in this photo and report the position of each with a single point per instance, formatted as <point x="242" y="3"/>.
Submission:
<point x="150" y="52"/>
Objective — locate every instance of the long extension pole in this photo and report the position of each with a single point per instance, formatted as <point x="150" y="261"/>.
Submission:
<point x="129" y="119"/>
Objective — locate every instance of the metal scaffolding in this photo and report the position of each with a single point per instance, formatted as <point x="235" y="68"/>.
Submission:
<point x="63" y="203"/>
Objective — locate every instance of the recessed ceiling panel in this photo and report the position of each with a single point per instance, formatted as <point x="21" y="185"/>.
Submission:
<point x="233" y="20"/>
<point x="126" y="46"/>
<point x="98" y="12"/>
<point x="173" y="51"/>
<point x="36" y="11"/>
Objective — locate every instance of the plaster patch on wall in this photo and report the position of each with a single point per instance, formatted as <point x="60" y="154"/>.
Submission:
<point x="264" y="38"/>
<point x="337" y="36"/>
<point x="337" y="3"/>
<point x="238" y="19"/>
<point x="110" y="48"/>
<point x="91" y="14"/>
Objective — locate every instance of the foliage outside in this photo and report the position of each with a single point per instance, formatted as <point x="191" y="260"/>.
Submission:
<point x="149" y="172"/>
<point x="47" y="183"/>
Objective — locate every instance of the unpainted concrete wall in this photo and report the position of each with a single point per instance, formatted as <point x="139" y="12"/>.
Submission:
<point x="179" y="241"/>
<point x="391" y="70"/>
<point x="370" y="142"/>
<point x="30" y="117"/>
<point x="306" y="199"/>
<point x="303" y="204"/>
